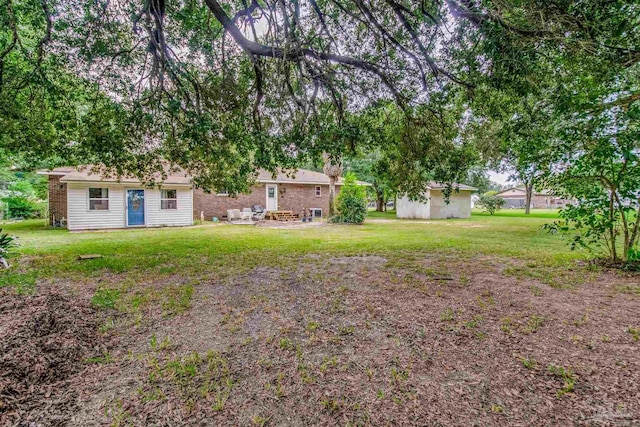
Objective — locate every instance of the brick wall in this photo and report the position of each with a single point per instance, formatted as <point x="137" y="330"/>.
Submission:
<point x="296" y="197"/>
<point x="291" y="197"/>
<point x="57" y="199"/>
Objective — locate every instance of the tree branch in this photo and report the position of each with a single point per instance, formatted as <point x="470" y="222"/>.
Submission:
<point x="255" y="48"/>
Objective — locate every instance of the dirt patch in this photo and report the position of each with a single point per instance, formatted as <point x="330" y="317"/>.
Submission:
<point x="405" y="339"/>
<point x="369" y="340"/>
<point x="45" y="341"/>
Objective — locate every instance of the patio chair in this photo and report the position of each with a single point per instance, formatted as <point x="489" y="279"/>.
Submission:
<point x="233" y="215"/>
<point x="258" y="213"/>
<point x="246" y="214"/>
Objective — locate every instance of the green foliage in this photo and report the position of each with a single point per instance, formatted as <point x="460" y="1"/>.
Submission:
<point x="21" y="207"/>
<point x="351" y="203"/>
<point x="567" y="376"/>
<point x="374" y="168"/>
<point x="23" y="198"/>
<point x="206" y="106"/>
<point x="528" y="362"/>
<point x="601" y="172"/>
<point x="478" y="177"/>
<point x="6" y="243"/>
<point x="490" y="203"/>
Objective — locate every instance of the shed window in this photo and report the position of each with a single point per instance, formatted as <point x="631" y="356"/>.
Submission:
<point x="169" y="199"/>
<point x="318" y="190"/>
<point x="98" y="199"/>
<point x="316" y="212"/>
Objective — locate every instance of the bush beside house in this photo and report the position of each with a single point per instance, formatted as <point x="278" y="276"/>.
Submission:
<point x="351" y="203"/>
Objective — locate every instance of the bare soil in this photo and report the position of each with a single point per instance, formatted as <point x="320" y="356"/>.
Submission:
<point x="413" y="340"/>
<point x="45" y="342"/>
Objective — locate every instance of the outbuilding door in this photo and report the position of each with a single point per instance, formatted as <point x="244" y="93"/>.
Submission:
<point x="272" y="197"/>
<point x="135" y="208"/>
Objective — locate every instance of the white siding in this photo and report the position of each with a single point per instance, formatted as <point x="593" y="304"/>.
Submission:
<point x="408" y="209"/>
<point x="459" y="205"/>
<point x="157" y="217"/>
<point x="79" y="217"/>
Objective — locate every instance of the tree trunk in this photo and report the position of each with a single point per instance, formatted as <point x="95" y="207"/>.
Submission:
<point x="379" y="203"/>
<point x="332" y="196"/>
<point x="612" y="231"/>
<point x="528" y="195"/>
<point x="333" y="169"/>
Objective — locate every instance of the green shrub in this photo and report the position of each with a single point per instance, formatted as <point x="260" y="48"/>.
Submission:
<point x="23" y="201"/>
<point x="22" y="207"/>
<point x="351" y="203"/>
<point x="6" y="242"/>
<point x="633" y="255"/>
<point x="490" y="203"/>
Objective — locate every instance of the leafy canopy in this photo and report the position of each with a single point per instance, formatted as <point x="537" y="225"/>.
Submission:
<point x="221" y="87"/>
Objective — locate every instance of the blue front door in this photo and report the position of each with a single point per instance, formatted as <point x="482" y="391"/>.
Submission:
<point x="135" y="207"/>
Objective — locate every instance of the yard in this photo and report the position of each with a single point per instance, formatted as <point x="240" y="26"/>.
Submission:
<point x="486" y="321"/>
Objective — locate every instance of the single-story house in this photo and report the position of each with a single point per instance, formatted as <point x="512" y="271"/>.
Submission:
<point x="435" y="206"/>
<point x="82" y="200"/>
<point x="516" y="198"/>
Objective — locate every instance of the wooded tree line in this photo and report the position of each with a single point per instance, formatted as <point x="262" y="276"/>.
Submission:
<point x="432" y="88"/>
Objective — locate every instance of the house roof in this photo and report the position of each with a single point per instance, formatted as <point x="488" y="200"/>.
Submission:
<point x="463" y="187"/>
<point x="57" y="171"/>
<point x="299" y="176"/>
<point x="513" y="190"/>
<point x="522" y="190"/>
<point x="86" y="174"/>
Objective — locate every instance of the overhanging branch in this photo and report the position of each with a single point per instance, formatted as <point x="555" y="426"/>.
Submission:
<point x="254" y="48"/>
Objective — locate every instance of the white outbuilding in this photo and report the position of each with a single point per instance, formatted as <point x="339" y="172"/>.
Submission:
<point x="435" y="206"/>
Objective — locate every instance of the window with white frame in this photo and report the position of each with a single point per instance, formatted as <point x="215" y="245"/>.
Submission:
<point x="98" y="199"/>
<point x="318" y="191"/>
<point x="316" y="212"/>
<point x="169" y="199"/>
<point x="223" y="192"/>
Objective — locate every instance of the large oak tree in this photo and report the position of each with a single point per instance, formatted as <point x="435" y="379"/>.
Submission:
<point x="223" y="87"/>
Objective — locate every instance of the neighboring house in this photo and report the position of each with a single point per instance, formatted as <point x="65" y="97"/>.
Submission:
<point x="87" y="201"/>
<point x="459" y="205"/>
<point x="516" y="198"/>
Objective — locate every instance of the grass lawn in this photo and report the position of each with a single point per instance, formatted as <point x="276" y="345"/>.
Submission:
<point x="487" y="320"/>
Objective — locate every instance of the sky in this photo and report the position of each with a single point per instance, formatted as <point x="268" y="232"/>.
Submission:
<point x="500" y="178"/>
